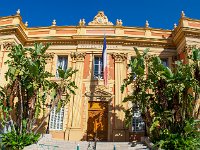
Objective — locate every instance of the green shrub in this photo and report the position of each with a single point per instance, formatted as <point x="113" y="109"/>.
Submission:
<point x="188" y="139"/>
<point x="14" y="141"/>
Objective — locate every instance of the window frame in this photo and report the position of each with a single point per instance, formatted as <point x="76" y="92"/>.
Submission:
<point x="100" y="75"/>
<point x="67" y="62"/>
<point x="137" y="120"/>
<point x="53" y="123"/>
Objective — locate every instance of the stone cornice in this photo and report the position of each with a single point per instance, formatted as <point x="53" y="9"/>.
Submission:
<point x="123" y="42"/>
<point x="182" y="32"/>
<point x="123" y="35"/>
<point x="17" y="31"/>
<point x="191" y="19"/>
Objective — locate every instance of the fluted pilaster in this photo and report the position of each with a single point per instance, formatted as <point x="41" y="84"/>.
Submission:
<point x="120" y="75"/>
<point x="76" y="101"/>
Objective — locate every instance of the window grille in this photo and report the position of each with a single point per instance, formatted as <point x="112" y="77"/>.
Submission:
<point x="98" y="67"/>
<point x="138" y="124"/>
<point x="56" y="119"/>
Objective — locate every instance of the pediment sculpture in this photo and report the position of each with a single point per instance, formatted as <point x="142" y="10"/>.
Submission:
<point x="99" y="92"/>
<point x="100" y="19"/>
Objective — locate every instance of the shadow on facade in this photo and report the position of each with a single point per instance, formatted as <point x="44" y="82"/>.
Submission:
<point x="43" y="128"/>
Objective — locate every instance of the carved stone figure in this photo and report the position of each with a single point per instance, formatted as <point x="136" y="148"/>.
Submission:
<point x="147" y="24"/>
<point x="82" y="22"/>
<point x="119" y="22"/>
<point x="54" y="23"/>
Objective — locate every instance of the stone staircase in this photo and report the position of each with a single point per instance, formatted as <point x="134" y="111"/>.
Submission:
<point x="120" y="146"/>
<point x="47" y="143"/>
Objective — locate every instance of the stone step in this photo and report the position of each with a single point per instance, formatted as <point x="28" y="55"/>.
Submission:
<point x="47" y="143"/>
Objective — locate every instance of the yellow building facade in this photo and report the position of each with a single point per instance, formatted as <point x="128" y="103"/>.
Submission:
<point x="97" y="110"/>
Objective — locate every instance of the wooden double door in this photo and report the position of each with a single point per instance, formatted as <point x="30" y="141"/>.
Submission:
<point x="97" y="125"/>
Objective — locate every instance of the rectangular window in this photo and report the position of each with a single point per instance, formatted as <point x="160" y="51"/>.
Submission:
<point x="138" y="123"/>
<point x="165" y="62"/>
<point x="62" y="63"/>
<point x="98" y="67"/>
<point x="56" y="119"/>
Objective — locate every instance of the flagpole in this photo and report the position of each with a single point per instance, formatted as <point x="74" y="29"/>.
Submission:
<point x="104" y="58"/>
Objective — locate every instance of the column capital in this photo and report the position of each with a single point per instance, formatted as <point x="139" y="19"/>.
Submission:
<point x="78" y="56"/>
<point x="188" y="48"/>
<point x="8" y="45"/>
<point x="119" y="57"/>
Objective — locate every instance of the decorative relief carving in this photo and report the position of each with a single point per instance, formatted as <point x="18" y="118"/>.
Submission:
<point x="188" y="48"/>
<point x="100" y="88"/>
<point x="119" y="56"/>
<point x="100" y="19"/>
<point x="50" y="58"/>
<point x="99" y="92"/>
<point x="78" y="56"/>
<point x="8" y="45"/>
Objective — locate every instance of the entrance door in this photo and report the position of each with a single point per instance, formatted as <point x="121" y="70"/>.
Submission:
<point x="97" y="125"/>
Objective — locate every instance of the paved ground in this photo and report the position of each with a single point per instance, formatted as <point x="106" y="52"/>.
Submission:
<point x="47" y="143"/>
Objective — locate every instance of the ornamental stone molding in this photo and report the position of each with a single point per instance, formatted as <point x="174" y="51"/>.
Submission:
<point x="8" y="45"/>
<point x="100" y="92"/>
<point x="78" y="56"/>
<point x="119" y="57"/>
<point x="100" y="19"/>
<point x="50" y="58"/>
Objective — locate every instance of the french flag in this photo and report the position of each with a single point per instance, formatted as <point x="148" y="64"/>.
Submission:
<point x="105" y="67"/>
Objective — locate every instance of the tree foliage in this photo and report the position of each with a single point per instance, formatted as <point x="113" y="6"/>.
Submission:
<point x="30" y="90"/>
<point x="167" y="98"/>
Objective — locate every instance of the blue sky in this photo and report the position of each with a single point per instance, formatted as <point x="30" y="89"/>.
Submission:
<point x="159" y="13"/>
